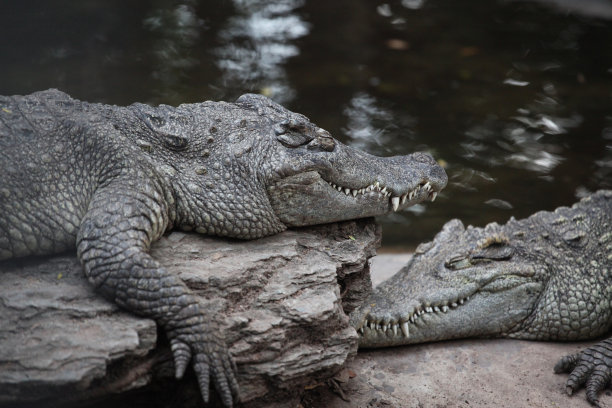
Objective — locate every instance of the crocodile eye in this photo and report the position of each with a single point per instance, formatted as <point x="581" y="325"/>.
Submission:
<point x="175" y="142"/>
<point x="323" y="141"/>
<point x="292" y="134"/>
<point x="493" y="252"/>
<point x="492" y="248"/>
<point x="458" y="262"/>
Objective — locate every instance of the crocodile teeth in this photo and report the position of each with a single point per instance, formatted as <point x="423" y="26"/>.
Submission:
<point x="433" y="196"/>
<point x="445" y="308"/>
<point x="395" y="329"/>
<point x="404" y="197"/>
<point x="354" y="193"/>
<point x="395" y="201"/>
<point x="347" y="191"/>
<point x="405" y="329"/>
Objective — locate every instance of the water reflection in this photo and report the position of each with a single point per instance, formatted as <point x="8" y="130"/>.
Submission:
<point x="603" y="171"/>
<point x="373" y="127"/>
<point x="532" y="140"/>
<point x="177" y="30"/>
<point x="588" y="8"/>
<point x="257" y="44"/>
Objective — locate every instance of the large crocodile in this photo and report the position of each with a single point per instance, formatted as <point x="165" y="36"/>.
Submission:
<point x="110" y="180"/>
<point x="546" y="277"/>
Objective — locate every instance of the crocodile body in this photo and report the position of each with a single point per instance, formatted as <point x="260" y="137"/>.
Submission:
<point x="546" y="277"/>
<point x="110" y="180"/>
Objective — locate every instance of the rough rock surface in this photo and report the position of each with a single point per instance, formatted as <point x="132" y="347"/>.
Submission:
<point x="285" y="299"/>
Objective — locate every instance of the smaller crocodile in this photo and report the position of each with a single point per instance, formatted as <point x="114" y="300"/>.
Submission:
<point x="546" y="277"/>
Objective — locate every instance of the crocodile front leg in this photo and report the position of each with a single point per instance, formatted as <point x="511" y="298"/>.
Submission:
<point x="122" y="220"/>
<point x="592" y="368"/>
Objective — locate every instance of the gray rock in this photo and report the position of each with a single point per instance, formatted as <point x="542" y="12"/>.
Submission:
<point x="283" y="300"/>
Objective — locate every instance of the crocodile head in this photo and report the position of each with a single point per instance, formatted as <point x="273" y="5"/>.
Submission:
<point x="545" y="277"/>
<point x="472" y="282"/>
<point x="316" y="179"/>
<point x="256" y="168"/>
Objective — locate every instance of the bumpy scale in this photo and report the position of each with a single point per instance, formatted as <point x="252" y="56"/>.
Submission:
<point x="546" y="277"/>
<point x="110" y="180"/>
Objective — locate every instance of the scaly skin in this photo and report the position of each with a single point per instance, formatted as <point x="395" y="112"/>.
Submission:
<point x="546" y="277"/>
<point x="111" y="180"/>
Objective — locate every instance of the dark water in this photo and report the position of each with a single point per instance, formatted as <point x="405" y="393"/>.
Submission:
<point x="514" y="97"/>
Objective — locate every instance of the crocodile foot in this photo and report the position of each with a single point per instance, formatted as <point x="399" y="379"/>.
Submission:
<point x="206" y="348"/>
<point x="591" y="368"/>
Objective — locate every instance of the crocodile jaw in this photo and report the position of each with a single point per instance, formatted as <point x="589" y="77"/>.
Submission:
<point x="484" y="313"/>
<point x="330" y="202"/>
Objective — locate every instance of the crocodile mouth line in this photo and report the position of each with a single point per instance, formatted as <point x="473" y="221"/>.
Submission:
<point x="424" y="189"/>
<point x="403" y="325"/>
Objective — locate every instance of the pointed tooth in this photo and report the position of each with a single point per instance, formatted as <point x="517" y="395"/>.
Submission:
<point x="395" y="201"/>
<point x="384" y="190"/>
<point x="372" y="326"/>
<point x="427" y="186"/>
<point x="403" y="199"/>
<point x="395" y="326"/>
<point x="405" y="329"/>
<point x="436" y="309"/>
<point x="339" y="188"/>
<point x="445" y="308"/>
<point x="433" y="196"/>
<point x="354" y="192"/>
<point x="461" y="301"/>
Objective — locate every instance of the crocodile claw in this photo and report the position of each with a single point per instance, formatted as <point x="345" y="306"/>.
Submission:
<point x="591" y="368"/>
<point x="208" y="352"/>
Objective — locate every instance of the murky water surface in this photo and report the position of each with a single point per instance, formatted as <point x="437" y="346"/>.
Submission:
<point x="513" y="97"/>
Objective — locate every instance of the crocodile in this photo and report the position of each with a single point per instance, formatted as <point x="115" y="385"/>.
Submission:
<point x="109" y="180"/>
<point x="545" y="277"/>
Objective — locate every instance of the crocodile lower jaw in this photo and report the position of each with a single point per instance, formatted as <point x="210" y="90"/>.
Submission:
<point x="402" y="327"/>
<point x="419" y="193"/>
